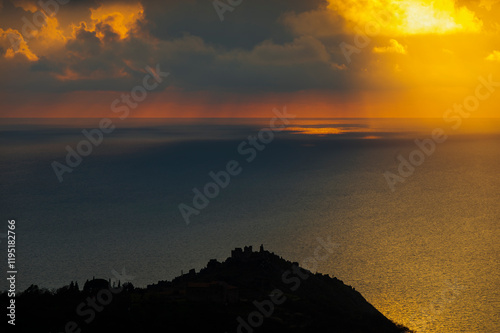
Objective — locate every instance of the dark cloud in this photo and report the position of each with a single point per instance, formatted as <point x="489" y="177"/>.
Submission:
<point x="250" y="23"/>
<point x="260" y="46"/>
<point x="301" y="64"/>
<point x="85" y="44"/>
<point x="17" y="18"/>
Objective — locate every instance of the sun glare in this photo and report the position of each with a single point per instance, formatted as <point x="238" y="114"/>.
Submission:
<point x="437" y="17"/>
<point x="409" y="16"/>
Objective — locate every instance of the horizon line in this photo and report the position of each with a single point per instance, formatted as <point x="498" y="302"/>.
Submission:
<point x="237" y="118"/>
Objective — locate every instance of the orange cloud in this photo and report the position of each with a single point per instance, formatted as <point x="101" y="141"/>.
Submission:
<point x="49" y="38"/>
<point x="27" y="5"/>
<point x="120" y="17"/>
<point x="13" y="42"/>
<point x="487" y="4"/>
<point x="71" y="75"/>
<point x="394" y="47"/>
<point x="493" y="56"/>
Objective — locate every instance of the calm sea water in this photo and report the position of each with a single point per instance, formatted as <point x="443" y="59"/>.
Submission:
<point x="426" y="255"/>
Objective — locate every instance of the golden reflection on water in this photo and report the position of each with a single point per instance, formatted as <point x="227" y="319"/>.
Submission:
<point x="314" y="130"/>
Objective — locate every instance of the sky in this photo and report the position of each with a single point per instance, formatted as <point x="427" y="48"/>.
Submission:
<point x="242" y="58"/>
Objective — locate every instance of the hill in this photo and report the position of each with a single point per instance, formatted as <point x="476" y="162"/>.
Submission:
<point x="248" y="292"/>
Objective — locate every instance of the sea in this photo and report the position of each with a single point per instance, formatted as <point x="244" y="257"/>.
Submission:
<point x="411" y="207"/>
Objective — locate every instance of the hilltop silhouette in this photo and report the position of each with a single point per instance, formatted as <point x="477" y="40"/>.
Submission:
<point x="248" y="292"/>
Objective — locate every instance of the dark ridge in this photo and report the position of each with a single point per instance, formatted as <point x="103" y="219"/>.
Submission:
<point x="248" y="292"/>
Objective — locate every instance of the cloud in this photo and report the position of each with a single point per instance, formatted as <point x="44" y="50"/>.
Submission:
<point x="262" y="47"/>
<point x="105" y="46"/>
<point x="488" y="4"/>
<point x="394" y="47"/>
<point x="318" y="23"/>
<point x="493" y="56"/>
<point x="119" y="19"/>
<point x="28" y="5"/>
<point x="12" y="44"/>
<point x="301" y="50"/>
<point x="304" y="63"/>
<point x="249" y="24"/>
<point x="408" y="17"/>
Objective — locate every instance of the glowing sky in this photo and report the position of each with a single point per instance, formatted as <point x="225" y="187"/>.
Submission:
<point x="408" y="58"/>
